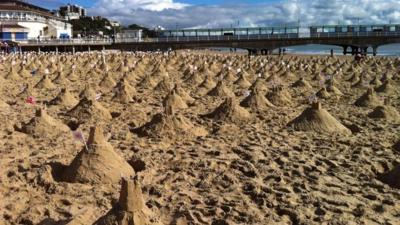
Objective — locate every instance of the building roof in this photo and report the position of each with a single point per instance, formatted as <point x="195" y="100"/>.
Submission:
<point x="15" y="5"/>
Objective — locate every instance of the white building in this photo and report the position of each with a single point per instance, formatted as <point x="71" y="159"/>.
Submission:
<point x="131" y="35"/>
<point x="20" y="21"/>
<point x="72" y="12"/>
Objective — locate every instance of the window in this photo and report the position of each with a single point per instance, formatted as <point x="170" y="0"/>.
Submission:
<point x="345" y="29"/>
<point x="392" y="28"/>
<point x="369" y="29"/>
<point x="254" y="31"/>
<point x="319" y="30"/>
<point x="356" y="29"/>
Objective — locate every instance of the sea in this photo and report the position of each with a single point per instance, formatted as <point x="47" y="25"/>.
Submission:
<point x="385" y="50"/>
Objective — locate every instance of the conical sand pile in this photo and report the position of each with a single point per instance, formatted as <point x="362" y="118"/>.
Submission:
<point x="256" y="101"/>
<point x="131" y="208"/>
<point x="169" y="124"/>
<point x="107" y="83"/>
<point x="392" y="178"/>
<point x="98" y="164"/>
<point x="45" y="83"/>
<point x="89" y="109"/>
<point x="323" y="93"/>
<point x="230" y="111"/>
<point x="317" y="119"/>
<point x="242" y="81"/>
<point x="64" y="99"/>
<point x="123" y="93"/>
<point x="396" y="146"/>
<point x="301" y="83"/>
<point x="43" y="125"/>
<point x="385" y="112"/>
<point x="184" y="95"/>
<point x="88" y="93"/>
<point x="221" y="90"/>
<point x="174" y="100"/>
<point x="386" y="88"/>
<point x="280" y="97"/>
<point x="369" y="99"/>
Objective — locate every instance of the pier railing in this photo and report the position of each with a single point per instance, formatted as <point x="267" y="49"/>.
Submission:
<point x="109" y="41"/>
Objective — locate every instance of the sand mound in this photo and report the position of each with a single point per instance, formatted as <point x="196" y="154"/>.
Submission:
<point x="230" y="111"/>
<point x="323" y="93"/>
<point x="64" y="99"/>
<point x="317" y="119"/>
<point x="208" y="83"/>
<point x="242" y="81"/>
<point x="183" y="94"/>
<point x="386" y="88"/>
<point x="89" y="109"/>
<point x="221" y="90"/>
<point x="259" y="85"/>
<point x="174" y="100"/>
<point x="392" y="178"/>
<point x="88" y="93"/>
<point x="256" y="101"/>
<point x="387" y="113"/>
<point x="130" y="209"/>
<point x="369" y="99"/>
<point x="169" y="124"/>
<point x="123" y="92"/>
<point x="45" y="83"/>
<point x="99" y="163"/>
<point x="302" y="83"/>
<point x="107" y="83"/>
<point x="165" y="85"/>
<point x="280" y="97"/>
<point x="396" y="146"/>
<point x="43" y="125"/>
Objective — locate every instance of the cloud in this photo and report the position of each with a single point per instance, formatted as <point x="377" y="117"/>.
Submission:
<point x="170" y="13"/>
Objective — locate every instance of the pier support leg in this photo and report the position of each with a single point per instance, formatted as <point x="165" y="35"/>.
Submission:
<point x="280" y="51"/>
<point x="345" y="50"/>
<point x="38" y="49"/>
<point x="57" y="50"/>
<point x="73" y="50"/>
<point x="374" y="50"/>
<point x="104" y="48"/>
<point x="89" y="49"/>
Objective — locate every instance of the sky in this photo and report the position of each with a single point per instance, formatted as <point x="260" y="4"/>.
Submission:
<point x="172" y="14"/>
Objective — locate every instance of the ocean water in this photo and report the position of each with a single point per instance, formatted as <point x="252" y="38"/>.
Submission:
<point x="385" y="50"/>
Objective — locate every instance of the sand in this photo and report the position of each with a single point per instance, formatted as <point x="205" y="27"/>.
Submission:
<point x="198" y="138"/>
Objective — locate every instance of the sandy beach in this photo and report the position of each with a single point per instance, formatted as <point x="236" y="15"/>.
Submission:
<point x="198" y="138"/>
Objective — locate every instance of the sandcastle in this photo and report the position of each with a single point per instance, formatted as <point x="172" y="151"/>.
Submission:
<point x="130" y="209"/>
<point x="230" y="111"/>
<point x="43" y="125"/>
<point x="98" y="163"/>
<point x="317" y="119"/>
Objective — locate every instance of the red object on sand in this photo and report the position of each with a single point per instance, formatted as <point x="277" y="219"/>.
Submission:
<point x="31" y="100"/>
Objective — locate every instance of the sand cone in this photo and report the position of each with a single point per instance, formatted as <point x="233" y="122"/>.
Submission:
<point x="259" y="85"/>
<point x="242" y="82"/>
<point x="131" y="208"/>
<point x="323" y="93"/>
<point x="89" y="109"/>
<point x="391" y="178"/>
<point x="280" y="97"/>
<point x="88" y="93"/>
<point x="98" y="164"/>
<point x="107" y="83"/>
<point x="169" y="124"/>
<point x="12" y="75"/>
<point x="317" y="119"/>
<point x="230" y="111"/>
<point x="43" y="125"/>
<point x="387" y="113"/>
<point x="64" y="99"/>
<point x="175" y="101"/>
<point x="386" y="88"/>
<point x="369" y="99"/>
<point x="45" y="83"/>
<point x="301" y="83"/>
<point x="396" y="146"/>
<point x="165" y="85"/>
<point x="256" y="102"/>
<point x="184" y="95"/>
<point x="221" y="90"/>
<point x="124" y="93"/>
